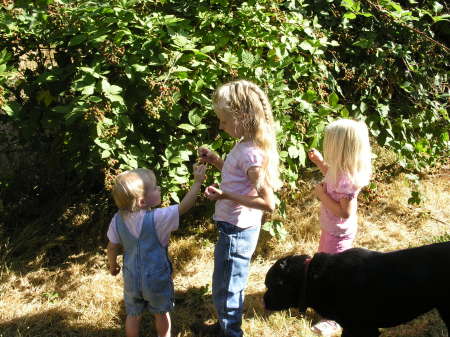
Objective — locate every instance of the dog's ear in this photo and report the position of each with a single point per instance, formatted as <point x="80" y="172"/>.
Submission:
<point x="319" y="266"/>
<point x="294" y="266"/>
<point x="284" y="264"/>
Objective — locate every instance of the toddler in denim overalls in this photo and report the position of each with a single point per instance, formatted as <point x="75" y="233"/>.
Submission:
<point x="144" y="235"/>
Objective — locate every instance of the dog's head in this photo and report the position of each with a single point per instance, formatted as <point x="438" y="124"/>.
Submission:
<point x="284" y="282"/>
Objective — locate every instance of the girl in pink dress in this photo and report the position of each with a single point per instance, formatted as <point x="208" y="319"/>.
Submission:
<point x="347" y="168"/>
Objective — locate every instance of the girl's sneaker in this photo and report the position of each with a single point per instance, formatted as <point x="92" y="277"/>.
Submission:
<point x="326" y="328"/>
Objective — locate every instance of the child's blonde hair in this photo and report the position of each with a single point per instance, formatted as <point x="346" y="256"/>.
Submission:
<point x="251" y="108"/>
<point x="347" y="150"/>
<point x="130" y="186"/>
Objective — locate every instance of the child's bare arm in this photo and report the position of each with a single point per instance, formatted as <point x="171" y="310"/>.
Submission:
<point x="265" y="200"/>
<point x="112" y="253"/>
<point x="317" y="158"/>
<point x="191" y="196"/>
<point x="342" y="208"/>
<point x="210" y="157"/>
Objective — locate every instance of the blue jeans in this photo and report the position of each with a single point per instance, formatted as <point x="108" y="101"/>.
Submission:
<point x="232" y="255"/>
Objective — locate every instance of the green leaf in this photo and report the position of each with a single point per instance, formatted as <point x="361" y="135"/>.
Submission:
<point x="139" y="68"/>
<point x="445" y="17"/>
<point x="129" y="159"/>
<point x="88" y="90"/>
<point x="301" y="155"/>
<point x="247" y="58"/>
<point x="408" y="147"/>
<point x="185" y="154"/>
<point x="207" y="49"/>
<point x="230" y="59"/>
<point x="344" y="112"/>
<point x="116" y="98"/>
<point x="77" y="39"/>
<point x="174" y="196"/>
<point x="350" y="15"/>
<point x="383" y="109"/>
<point x="406" y="86"/>
<point x="178" y="69"/>
<point x="106" y="154"/>
<point x="333" y="99"/>
<point x="187" y="127"/>
<point x="100" y="38"/>
<point x="45" y="96"/>
<point x="12" y="109"/>
<point x="182" y="42"/>
<point x="363" y="107"/>
<point x="103" y="145"/>
<point x="305" y="45"/>
<point x="175" y="160"/>
<point x="293" y="151"/>
<point x="437" y="7"/>
<point x="363" y="43"/>
<point x="194" y="118"/>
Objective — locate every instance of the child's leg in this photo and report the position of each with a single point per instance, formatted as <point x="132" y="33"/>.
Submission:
<point x="132" y="326"/>
<point x="331" y="244"/>
<point x="334" y="244"/>
<point x="232" y="256"/>
<point x="163" y="324"/>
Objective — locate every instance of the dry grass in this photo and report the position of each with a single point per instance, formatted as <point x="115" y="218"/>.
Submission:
<point x="80" y="298"/>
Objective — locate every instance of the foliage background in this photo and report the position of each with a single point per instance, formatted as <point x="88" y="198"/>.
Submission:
<point x="91" y="88"/>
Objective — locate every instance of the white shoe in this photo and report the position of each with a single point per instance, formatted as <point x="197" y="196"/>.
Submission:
<point x="326" y="328"/>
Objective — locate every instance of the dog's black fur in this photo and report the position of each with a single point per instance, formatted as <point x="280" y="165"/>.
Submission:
<point x="364" y="290"/>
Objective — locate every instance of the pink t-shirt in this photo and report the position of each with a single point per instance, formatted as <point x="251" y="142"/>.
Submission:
<point x="328" y="221"/>
<point x="166" y="219"/>
<point x="243" y="156"/>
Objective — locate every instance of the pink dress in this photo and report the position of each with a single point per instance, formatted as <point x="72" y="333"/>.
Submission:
<point x="338" y="233"/>
<point x="243" y="156"/>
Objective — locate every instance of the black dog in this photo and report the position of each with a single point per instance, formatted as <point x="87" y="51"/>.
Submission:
<point x="364" y="290"/>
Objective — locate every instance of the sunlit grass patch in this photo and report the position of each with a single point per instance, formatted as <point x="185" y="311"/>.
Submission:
<point x="78" y="297"/>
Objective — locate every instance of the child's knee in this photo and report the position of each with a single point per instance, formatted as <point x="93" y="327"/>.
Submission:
<point x="134" y="318"/>
<point x="165" y="316"/>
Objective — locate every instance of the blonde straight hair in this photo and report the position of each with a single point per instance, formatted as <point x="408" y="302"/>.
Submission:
<point x="130" y="186"/>
<point x="250" y="106"/>
<point x="347" y="151"/>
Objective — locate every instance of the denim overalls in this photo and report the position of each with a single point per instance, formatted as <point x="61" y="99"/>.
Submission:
<point x="147" y="271"/>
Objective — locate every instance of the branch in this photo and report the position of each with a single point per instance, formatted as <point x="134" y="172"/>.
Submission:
<point x="385" y="12"/>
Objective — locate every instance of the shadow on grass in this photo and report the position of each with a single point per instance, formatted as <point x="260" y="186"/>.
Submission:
<point x="73" y="230"/>
<point x="65" y="227"/>
<point x="52" y="323"/>
<point x="193" y="306"/>
<point x="429" y="324"/>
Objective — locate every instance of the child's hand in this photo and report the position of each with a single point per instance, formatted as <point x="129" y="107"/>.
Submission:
<point x="205" y="155"/>
<point x="212" y="192"/>
<point x="315" y="156"/>
<point x="199" y="172"/>
<point x="114" y="269"/>
<point x="319" y="190"/>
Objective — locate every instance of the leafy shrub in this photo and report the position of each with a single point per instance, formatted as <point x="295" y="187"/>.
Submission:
<point x="97" y="87"/>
